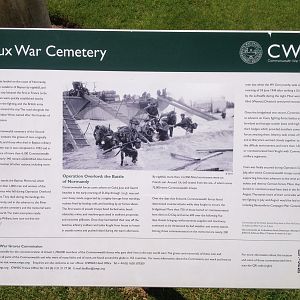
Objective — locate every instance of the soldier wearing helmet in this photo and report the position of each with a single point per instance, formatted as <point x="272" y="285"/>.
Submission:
<point x="186" y="123"/>
<point x="129" y="141"/>
<point x="103" y="137"/>
<point x="134" y="122"/>
<point x="171" y="119"/>
<point x="163" y="129"/>
<point x="152" y="110"/>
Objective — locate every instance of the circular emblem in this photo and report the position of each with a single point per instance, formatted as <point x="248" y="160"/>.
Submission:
<point x="251" y="52"/>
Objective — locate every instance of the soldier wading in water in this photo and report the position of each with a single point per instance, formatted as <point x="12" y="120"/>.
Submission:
<point x="129" y="141"/>
<point x="187" y="124"/>
<point x="104" y="137"/>
<point x="163" y="129"/>
<point x="152" y="111"/>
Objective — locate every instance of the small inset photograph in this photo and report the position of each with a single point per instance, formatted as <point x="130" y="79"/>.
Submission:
<point x="131" y="123"/>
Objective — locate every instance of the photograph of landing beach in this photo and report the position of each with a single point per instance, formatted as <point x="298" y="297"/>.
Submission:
<point x="148" y="121"/>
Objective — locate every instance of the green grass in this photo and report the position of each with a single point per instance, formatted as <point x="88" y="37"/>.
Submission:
<point x="168" y="14"/>
<point x="94" y="293"/>
<point x="61" y="293"/>
<point x="180" y="14"/>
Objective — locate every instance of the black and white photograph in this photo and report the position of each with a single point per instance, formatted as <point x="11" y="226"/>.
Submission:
<point x="148" y="121"/>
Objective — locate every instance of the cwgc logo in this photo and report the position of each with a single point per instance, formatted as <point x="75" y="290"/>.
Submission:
<point x="251" y="52"/>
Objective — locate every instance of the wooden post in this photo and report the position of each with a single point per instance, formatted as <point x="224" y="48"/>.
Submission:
<point x="24" y="13"/>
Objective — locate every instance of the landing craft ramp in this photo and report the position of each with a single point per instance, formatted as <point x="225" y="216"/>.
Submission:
<point x="76" y="105"/>
<point x="107" y="108"/>
<point x="79" y="106"/>
<point x="88" y="106"/>
<point x="73" y="133"/>
<point x="187" y="108"/>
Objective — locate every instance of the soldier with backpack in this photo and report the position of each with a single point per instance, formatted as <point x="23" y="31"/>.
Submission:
<point x="163" y="129"/>
<point x="103" y="137"/>
<point x="129" y="141"/>
<point x="187" y="124"/>
<point x="152" y="111"/>
<point x="171" y="119"/>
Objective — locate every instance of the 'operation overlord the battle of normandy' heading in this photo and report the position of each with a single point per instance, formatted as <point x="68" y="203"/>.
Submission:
<point x="52" y="51"/>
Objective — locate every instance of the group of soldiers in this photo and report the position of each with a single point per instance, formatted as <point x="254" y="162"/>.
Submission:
<point x="78" y="89"/>
<point x="165" y="123"/>
<point x="128" y="139"/>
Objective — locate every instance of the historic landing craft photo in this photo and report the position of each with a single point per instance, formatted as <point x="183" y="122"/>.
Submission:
<point x="103" y="129"/>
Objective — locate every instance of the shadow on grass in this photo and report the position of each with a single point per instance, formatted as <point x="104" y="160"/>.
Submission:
<point x="164" y="293"/>
<point x="62" y="22"/>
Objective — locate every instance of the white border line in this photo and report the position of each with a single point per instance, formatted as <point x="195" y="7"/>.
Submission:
<point x="149" y="30"/>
